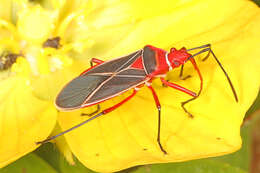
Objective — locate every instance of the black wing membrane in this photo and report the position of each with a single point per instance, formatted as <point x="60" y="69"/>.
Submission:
<point x="74" y="94"/>
<point x="103" y="81"/>
<point x="121" y="82"/>
<point x="116" y="65"/>
<point x="149" y="60"/>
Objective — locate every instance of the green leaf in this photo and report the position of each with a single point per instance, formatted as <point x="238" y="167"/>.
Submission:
<point x="51" y="154"/>
<point x="65" y="167"/>
<point x="255" y="105"/>
<point x="198" y="166"/>
<point x="30" y="163"/>
<point x="241" y="158"/>
<point x="257" y="2"/>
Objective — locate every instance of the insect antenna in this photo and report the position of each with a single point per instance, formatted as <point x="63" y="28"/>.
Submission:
<point x="70" y="129"/>
<point x="220" y="65"/>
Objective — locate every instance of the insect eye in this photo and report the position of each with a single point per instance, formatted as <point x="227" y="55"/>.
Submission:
<point x="172" y="49"/>
<point x="176" y="63"/>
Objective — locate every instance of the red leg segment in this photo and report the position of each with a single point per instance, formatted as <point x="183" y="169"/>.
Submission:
<point x="158" y="105"/>
<point x="209" y="50"/>
<point x="178" y="87"/>
<point x="198" y="71"/>
<point x="120" y="103"/>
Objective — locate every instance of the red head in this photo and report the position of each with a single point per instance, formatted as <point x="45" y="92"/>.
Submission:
<point x="178" y="57"/>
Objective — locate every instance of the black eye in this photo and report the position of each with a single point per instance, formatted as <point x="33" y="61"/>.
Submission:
<point x="173" y="49"/>
<point x="176" y="63"/>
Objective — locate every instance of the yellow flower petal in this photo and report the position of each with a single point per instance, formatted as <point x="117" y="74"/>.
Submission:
<point x="35" y="24"/>
<point x="48" y="85"/>
<point x="127" y="136"/>
<point x="5" y="10"/>
<point x="27" y="114"/>
<point x="21" y="67"/>
<point x="24" y="119"/>
<point x="57" y="4"/>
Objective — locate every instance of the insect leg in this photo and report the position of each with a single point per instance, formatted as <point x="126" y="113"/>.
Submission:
<point x="88" y="120"/>
<point x="180" y="76"/>
<point x="178" y="87"/>
<point x="201" y="86"/>
<point x="92" y="113"/>
<point x="207" y="46"/>
<point x="120" y="103"/>
<point x="95" y="60"/>
<point x="181" y="73"/>
<point x="158" y="105"/>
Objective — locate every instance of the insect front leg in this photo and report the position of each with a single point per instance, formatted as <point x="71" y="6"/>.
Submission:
<point x="205" y="58"/>
<point x="158" y="105"/>
<point x="180" y="88"/>
<point x="201" y="86"/>
<point x="181" y="74"/>
<point x="207" y="48"/>
<point x="95" y="60"/>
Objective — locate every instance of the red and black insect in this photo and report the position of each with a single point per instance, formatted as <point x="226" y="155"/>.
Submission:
<point x="108" y="79"/>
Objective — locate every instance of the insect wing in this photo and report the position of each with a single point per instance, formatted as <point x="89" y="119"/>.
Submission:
<point x="119" y="83"/>
<point x="149" y="60"/>
<point x="115" y="65"/>
<point x="73" y="95"/>
<point x="100" y="82"/>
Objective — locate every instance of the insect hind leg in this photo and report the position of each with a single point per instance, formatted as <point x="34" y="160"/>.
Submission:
<point x="92" y="113"/>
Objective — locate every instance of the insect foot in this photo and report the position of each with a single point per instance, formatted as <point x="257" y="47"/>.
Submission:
<point x="186" y="77"/>
<point x="189" y="114"/>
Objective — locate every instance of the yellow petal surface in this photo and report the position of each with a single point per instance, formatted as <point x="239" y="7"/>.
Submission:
<point x="54" y="67"/>
<point x="27" y="112"/>
<point x="127" y="136"/>
<point x="24" y="119"/>
<point x="5" y="9"/>
<point x="35" y="24"/>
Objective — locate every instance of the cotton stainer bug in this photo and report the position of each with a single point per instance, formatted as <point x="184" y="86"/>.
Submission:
<point x="108" y="79"/>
